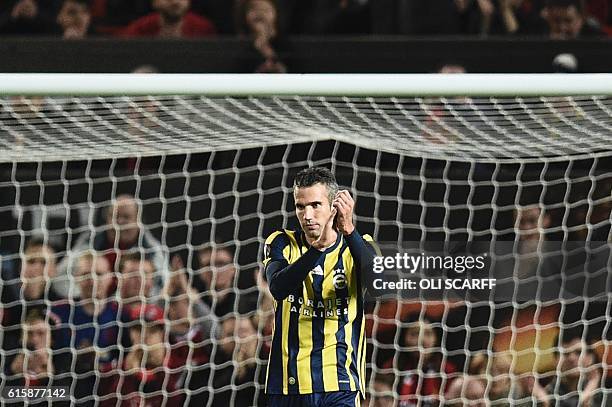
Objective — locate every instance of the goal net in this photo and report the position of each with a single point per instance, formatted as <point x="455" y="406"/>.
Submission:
<point x="133" y="213"/>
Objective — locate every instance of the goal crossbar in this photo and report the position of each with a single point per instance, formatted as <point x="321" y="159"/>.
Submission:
<point x="306" y="84"/>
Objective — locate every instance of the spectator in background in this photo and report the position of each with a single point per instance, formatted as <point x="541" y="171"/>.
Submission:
<point x="122" y="233"/>
<point x="421" y="366"/>
<point x="25" y="17"/>
<point x="217" y="282"/>
<point x="89" y="325"/>
<point x="135" y="280"/>
<point x="187" y="315"/>
<point x="236" y="361"/>
<point x="381" y="392"/>
<point x="36" y="364"/>
<point x="171" y="19"/>
<point x="530" y="267"/>
<point x="32" y="291"/>
<point x="500" y="380"/>
<point x="155" y="370"/>
<point x="74" y="19"/>
<point x="264" y="315"/>
<point x="573" y="359"/>
<point x="258" y="20"/>
<point x="466" y="390"/>
<point x="566" y="20"/>
<point x="90" y="319"/>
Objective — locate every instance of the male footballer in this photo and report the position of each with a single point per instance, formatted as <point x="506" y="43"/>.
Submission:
<point x="318" y="346"/>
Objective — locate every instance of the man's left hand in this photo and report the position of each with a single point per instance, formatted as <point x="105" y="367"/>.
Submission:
<point x="344" y="204"/>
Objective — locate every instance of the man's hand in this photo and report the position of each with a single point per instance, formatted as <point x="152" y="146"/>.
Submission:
<point x="345" y="205"/>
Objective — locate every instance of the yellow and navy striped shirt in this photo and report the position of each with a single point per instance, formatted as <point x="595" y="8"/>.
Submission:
<point x="318" y="343"/>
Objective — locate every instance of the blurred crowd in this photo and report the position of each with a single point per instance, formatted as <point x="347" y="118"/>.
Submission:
<point x="268" y="22"/>
<point x="124" y="322"/>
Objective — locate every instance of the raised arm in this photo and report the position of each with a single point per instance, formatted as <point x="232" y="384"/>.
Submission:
<point x="284" y="278"/>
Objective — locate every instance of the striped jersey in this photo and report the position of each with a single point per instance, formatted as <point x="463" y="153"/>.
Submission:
<point x="318" y="343"/>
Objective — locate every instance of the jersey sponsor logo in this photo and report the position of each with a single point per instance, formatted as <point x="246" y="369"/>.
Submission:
<point x="325" y="308"/>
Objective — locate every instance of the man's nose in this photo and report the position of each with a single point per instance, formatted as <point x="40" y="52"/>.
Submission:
<point x="308" y="213"/>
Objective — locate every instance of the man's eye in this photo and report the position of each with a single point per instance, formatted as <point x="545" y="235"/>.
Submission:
<point x="315" y="205"/>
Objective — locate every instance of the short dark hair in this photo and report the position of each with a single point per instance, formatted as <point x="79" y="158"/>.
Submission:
<point x="317" y="175"/>
<point x="135" y="256"/>
<point x="36" y="243"/>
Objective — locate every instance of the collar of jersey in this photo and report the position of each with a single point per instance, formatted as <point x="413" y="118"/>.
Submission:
<point x="329" y="249"/>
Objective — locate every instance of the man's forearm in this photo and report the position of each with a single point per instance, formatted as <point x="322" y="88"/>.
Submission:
<point x="284" y="278"/>
<point x="363" y="254"/>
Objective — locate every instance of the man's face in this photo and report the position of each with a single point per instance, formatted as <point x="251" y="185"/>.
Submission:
<point x="427" y="335"/>
<point x="136" y="280"/>
<point x="383" y="396"/>
<point x="151" y="340"/>
<point x="260" y="13"/>
<point x="94" y="277"/>
<point x="125" y="216"/>
<point x="572" y="358"/>
<point x="73" y="14"/>
<point x="564" y="22"/>
<point x="313" y="209"/>
<point x="39" y="260"/>
<point x="218" y="269"/>
<point x="172" y="10"/>
<point x="37" y="335"/>
<point x="527" y="220"/>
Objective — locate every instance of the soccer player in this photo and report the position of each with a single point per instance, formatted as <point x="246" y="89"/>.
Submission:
<point x="318" y="350"/>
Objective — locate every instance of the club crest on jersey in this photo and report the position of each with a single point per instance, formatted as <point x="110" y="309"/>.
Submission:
<point x="317" y="270"/>
<point x="339" y="279"/>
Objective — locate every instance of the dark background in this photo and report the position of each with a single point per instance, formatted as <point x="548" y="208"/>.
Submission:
<point x="302" y="55"/>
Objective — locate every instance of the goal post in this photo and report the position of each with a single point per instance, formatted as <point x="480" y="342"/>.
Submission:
<point x="209" y="160"/>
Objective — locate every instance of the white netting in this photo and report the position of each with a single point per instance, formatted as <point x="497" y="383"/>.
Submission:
<point x="453" y="128"/>
<point x="216" y="172"/>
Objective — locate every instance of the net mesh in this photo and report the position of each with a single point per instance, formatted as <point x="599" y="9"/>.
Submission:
<point x="205" y="180"/>
<point x="453" y="128"/>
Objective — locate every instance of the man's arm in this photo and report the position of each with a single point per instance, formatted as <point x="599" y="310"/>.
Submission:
<point x="362" y="253"/>
<point x="284" y="278"/>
